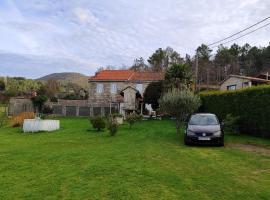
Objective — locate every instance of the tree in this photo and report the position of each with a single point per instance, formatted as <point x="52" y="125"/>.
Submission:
<point x="139" y="65"/>
<point x="51" y="88"/>
<point x="2" y="85"/>
<point x="178" y="76"/>
<point x="204" y="52"/>
<point x="163" y="59"/>
<point x="39" y="101"/>
<point x="157" y="60"/>
<point x="152" y="94"/>
<point x="179" y="104"/>
<point x="98" y="123"/>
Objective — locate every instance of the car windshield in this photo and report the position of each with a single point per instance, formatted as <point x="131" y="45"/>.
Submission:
<point x="203" y="120"/>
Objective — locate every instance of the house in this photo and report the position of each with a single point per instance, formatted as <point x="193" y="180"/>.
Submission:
<point x="264" y="76"/>
<point x="235" y="82"/>
<point x="120" y="87"/>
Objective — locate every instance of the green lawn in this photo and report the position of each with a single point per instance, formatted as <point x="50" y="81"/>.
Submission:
<point x="147" y="162"/>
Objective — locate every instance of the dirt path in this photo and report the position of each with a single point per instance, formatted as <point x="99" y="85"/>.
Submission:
<point x="250" y="148"/>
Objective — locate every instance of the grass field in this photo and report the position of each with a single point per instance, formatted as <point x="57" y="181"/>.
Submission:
<point x="147" y="162"/>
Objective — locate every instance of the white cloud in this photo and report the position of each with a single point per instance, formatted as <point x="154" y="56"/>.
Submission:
<point x="84" y="16"/>
<point x="101" y="32"/>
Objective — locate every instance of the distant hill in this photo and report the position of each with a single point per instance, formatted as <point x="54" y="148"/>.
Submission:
<point x="66" y="77"/>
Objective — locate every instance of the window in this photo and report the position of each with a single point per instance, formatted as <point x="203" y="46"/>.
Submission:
<point x="113" y="88"/>
<point x="203" y="120"/>
<point x="231" y="87"/>
<point x="245" y="84"/>
<point x="139" y="87"/>
<point x="99" y="88"/>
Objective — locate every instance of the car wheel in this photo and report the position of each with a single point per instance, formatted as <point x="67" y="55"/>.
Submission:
<point x="221" y="142"/>
<point x="186" y="141"/>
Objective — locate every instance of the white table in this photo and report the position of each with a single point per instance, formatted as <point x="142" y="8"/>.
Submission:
<point x="35" y="125"/>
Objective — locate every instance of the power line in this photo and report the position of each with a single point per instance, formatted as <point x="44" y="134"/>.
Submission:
<point x="243" y="35"/>
<point x="239" y="31"/>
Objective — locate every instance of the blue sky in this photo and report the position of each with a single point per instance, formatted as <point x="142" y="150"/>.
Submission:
<point x="38" y="37"/>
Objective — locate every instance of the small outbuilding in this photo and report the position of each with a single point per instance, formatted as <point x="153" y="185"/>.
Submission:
<point x="235" y="82"/>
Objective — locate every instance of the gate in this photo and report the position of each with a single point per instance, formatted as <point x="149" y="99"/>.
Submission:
<point x="71" y="111"/>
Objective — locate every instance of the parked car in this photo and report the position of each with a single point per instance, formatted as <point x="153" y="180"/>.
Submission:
<point x="204" y="128"/>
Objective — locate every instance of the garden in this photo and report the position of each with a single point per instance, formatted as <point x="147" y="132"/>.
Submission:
<point x="146" y="161"/>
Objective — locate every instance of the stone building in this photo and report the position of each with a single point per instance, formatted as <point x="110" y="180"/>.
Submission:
<point x="122" y="87"/>
<point x="235" y="82"/>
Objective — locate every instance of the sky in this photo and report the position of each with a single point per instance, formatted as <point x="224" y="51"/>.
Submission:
<point x="39" y="37"/>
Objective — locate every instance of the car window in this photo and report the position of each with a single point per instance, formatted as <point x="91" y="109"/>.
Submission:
<point x="203" y="120"/>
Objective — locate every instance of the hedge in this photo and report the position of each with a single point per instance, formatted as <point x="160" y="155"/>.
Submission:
<point x="251" y="105"/>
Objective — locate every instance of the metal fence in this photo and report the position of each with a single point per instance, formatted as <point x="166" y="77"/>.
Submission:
<point x="84" y="111"/>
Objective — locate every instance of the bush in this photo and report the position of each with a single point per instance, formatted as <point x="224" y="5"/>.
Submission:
<point x="251" y="105"/>
<point x="54" y="99"/>
<point x="98" y="123"/>
<point x="179" y="104"/>
<point x="231" y="124"/>
<point x="132" y="118"/>
<point x="3" y="119"/>
<point x="47" y="110"/>
<point x="39" y="101"/>
<point x="112" y="126"/>
<point x="17" y="120"/>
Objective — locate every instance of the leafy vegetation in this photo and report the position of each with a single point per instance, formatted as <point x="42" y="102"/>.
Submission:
<point x="178" y="76"/>
<point x="147" y="162"/>
<point x="179" y="104"/>
<point x="231" y="124"/>
<point x="152" y="94"/>
<point x="17" y="120"/>
<point x="98" y="123"/>
<point x="251" y="105"/>
<point x="112" y="125"/>
<point x="39" y="101"/>
<point x="3" y="119"/>
<point x="132" y="118"/>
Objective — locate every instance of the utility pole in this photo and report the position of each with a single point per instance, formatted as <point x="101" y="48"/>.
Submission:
<point x="196" y="70"/>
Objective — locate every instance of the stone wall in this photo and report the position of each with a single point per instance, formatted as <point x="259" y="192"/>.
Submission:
<point x="106" y="96"/>
<point x="239" y="82"/>
<point x="64" y="107"/>
<point x="18" y="105"/>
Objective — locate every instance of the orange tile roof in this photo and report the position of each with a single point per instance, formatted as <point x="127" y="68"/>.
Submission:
<point x="126" y="75"/>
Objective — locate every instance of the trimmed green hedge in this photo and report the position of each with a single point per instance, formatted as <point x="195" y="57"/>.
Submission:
<point x="252" y="105"/>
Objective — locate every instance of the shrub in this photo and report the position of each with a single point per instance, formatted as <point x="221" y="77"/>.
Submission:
<point x="132" y="118"/>
<point x="17" y="120"/>
<point x="251" y="105"/>
<point x="112" y="126"/>
<point x="39" y="101"/>
<point x="152" y="94"/>
<point x="114" y="115"/>
<point x="179" y="104"/>
<point x="3" y="119"/>
<point x="47" y="110"/>
<point x="54" y="99"/>
<point x="231" y="124"/>
<point x="98" y="123"/>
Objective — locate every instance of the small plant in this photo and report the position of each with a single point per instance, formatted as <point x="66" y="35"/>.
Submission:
<point x="133" y="118"/>
<point x="47" y="110"/>
<point x="98" y="123"/>
<point x="3" y="119"/>
<point x="112" y="126"/>
<point x="17" y="120"/>
<point x="231" y="124"/>
<point x="114" y="115"/>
